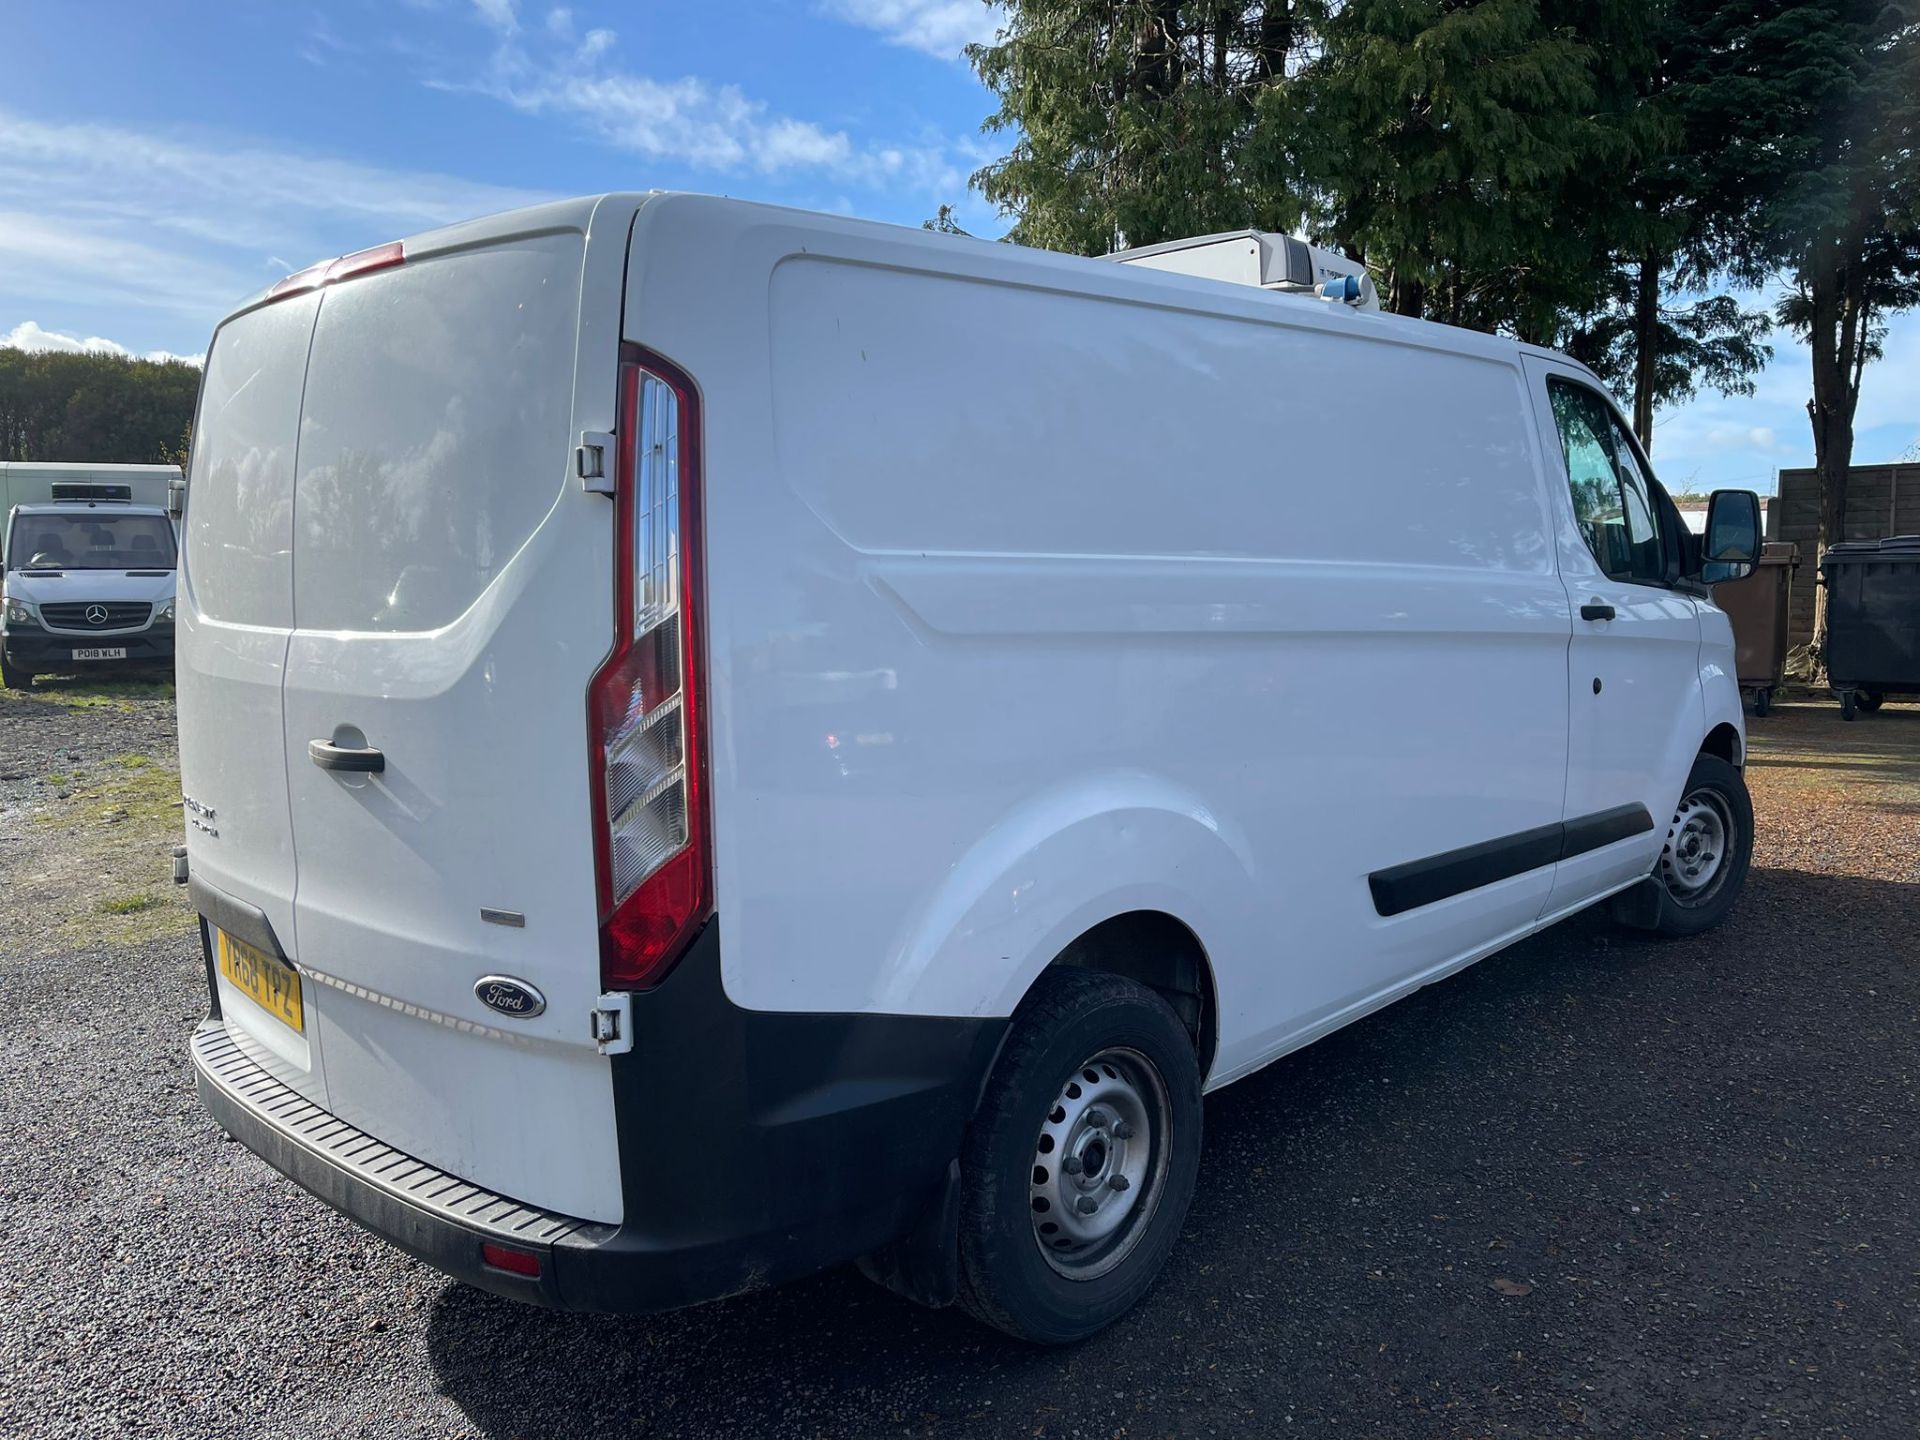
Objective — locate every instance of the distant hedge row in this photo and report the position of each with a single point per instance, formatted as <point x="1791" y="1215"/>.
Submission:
<point x="104" y="409"/>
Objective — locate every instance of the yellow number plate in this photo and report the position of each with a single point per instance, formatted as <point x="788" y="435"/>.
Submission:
<point x="272" y="985"/>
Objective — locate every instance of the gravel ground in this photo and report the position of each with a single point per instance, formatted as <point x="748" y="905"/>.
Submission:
<point x="1593" y="1186"/>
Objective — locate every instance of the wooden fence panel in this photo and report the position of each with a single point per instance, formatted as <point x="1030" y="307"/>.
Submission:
<point x="1882" y="500"/>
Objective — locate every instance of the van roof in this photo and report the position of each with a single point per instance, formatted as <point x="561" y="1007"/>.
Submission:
<point x="81" y="469"/>
<point x="88" y="507"/>
<point x="1094" y="275"/>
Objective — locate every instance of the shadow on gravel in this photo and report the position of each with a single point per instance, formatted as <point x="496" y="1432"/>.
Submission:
<point x="1681" y="1162"/>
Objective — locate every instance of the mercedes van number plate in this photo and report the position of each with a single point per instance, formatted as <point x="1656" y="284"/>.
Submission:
<point x="101" y="652"/>
<point x="270" y="984"/>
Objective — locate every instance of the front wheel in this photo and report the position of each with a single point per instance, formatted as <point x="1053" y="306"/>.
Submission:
<point x="1703" y="863"/>
<point x="1080" y="1164"/>
<point x="1762" y="701"/>
<point x="1849" y="704"/>
<point x="12" y="677"/>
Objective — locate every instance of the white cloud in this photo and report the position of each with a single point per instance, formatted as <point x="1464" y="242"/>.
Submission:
<point x="139" y="231"/>
<point x="225" y="191"/>
<point x="28" y="335"/>
<point x="1725" y="434"/>
<point x="500" y="14"/>
<point x="938" y="27"/>
<point x="692" y="120"/>
<point x="1890" y="390"/>
<point x="1746" y="440"/>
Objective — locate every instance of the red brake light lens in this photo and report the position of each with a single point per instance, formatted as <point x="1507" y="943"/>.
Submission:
<point x="325" y="272"/>
<point x="300" y="280"/>
<point x="376" y="257"/>
<point x="652" y="857"/>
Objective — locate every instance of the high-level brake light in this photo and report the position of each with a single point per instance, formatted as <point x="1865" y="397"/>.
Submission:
<point x="652" y="850"/>
<point x="326" y="272"/>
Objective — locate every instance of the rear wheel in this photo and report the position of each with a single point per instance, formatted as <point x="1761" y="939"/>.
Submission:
<point x="13" y="677"/>
<point x="1762" y="701"/>
<point x="1703" y="863"/>
<point x="1870" y="700"/>
<point x="1080" y="1164"/>
<point x="1849" y="704"/>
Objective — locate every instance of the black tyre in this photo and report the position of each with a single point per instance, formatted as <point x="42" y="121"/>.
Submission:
<point x="1869" y="700"/>
<point x="1762" y="701"/>
<point x="1079" y="1167"/>
<point x="1849" y="704"/>
<point x="14" y="678"/>
<point x="1703" y="863"/>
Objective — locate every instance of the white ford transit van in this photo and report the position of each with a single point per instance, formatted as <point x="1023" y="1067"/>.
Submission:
<point x="720" y="741"/>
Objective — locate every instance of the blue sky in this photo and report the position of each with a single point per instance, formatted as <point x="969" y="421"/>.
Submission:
<point x="158" y="162"/>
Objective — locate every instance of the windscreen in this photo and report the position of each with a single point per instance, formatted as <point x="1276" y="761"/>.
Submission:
<point x="92" y="541"/>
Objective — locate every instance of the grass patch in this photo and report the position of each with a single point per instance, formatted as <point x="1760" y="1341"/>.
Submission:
<point x="82" y="692"/>
<point x="90" y="858"/>
<point x="146" y="797"/>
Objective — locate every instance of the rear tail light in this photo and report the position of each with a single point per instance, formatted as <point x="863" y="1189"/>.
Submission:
<point x="653" y="861"/>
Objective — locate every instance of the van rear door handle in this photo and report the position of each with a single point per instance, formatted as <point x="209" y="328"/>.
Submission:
<point x="1592" y="610"/>
<point x="328" y="756"/>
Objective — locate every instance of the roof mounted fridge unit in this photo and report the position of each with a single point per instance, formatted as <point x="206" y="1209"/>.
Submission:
<point x="1268" y="261"/>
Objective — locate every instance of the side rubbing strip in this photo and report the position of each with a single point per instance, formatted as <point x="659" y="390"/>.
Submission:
<point x="1590" y="832"/>
<point x="1421" y="882"/>
<point x="1454" y="872"/>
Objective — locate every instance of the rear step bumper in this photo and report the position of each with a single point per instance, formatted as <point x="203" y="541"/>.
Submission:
<point x="430" y="1214"/>
<point x="755" y="1147"/>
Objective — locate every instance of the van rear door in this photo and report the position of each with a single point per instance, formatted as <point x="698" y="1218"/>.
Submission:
<point x="452" y="597"/>
<point x="235" y="612"/>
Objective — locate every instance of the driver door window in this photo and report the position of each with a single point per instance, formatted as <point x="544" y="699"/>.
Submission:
<point x="1612" y="500"/>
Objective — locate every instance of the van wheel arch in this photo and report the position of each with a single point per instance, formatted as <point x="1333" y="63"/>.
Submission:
<point x="1161" y="952"/>
<point x="1151" y="947"/>
<point x="1724" y="741"/>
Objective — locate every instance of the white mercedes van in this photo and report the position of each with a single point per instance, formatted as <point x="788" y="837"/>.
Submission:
<point x="85" y="585"/>
<point x="721" y="741"/>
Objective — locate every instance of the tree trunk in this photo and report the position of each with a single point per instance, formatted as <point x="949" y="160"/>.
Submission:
<point x="1833" y="337"/>
<point x="1646" y="348"/>
<point x="1406" y="296"/>
<point x="1157" y="67"/>
<point x="1274" y="42"/>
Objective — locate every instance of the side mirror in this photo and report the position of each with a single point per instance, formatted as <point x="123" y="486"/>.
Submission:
<point x="1731" y="545"/>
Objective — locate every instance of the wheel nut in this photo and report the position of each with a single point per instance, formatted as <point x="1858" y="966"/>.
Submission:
<point x="1086" y="1204"/>
<point x="1096" y="1117"/>
<point x="1073" y="1165"/>
<point x="1119" y="1182"/>
<point x="1122" y="1130"/>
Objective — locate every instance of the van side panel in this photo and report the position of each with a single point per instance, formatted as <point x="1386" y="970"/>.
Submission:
<point x="1038" y="593"/>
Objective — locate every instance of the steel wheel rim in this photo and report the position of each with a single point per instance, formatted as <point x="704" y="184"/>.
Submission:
<point x="1099" y="1163"/>
<point x="1693" y="864"/>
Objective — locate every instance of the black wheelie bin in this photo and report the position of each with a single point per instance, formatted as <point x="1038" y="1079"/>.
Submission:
<point x="1873" y="620"/>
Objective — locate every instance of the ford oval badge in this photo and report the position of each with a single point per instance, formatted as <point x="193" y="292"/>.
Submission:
<point x="509" y="996"/>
